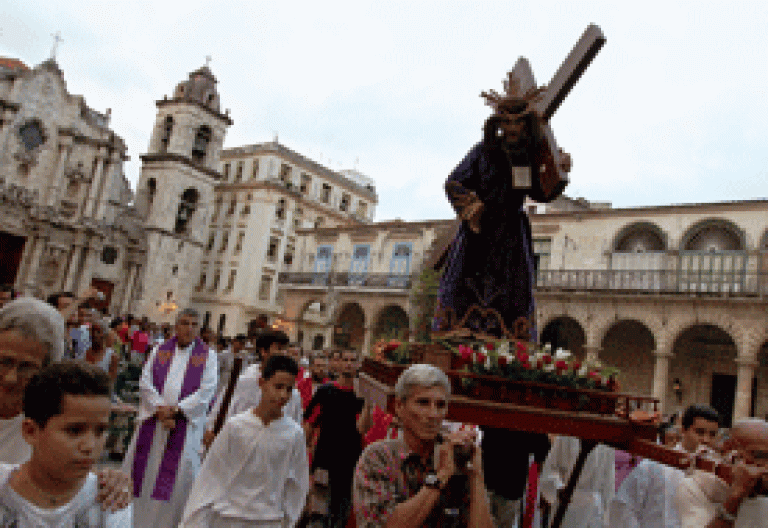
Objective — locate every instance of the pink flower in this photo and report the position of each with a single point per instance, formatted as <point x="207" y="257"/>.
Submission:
<point x="522" y="356"/>
<point x="466" y="352"/>
<point x="521" y="347"/>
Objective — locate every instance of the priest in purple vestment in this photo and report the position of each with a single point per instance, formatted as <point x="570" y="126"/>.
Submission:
<point x="176" y="388"/>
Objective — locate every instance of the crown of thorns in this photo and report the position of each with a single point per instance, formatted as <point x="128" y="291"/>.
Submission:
<point x="513" y="99"/>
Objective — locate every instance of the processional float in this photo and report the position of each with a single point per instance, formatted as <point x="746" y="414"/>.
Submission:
<point x="505" y="390"/>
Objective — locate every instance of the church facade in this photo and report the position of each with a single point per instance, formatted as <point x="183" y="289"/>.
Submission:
<point x="66" y="220"/>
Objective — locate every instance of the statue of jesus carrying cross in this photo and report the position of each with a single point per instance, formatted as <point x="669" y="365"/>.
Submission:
<point x="490" y="263"/>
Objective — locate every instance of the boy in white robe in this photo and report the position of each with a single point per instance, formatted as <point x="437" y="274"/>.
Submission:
<point x="256" y="472"/>
<point x="594" y="489"/>
<point x="66" y="409"/>
<point x="176" y="387"/>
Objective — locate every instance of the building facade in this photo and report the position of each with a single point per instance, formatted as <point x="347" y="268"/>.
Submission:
<point x="675" y="296"/>
<point x="267" y="193"/>
<point x="353" y="284"/>
<point x="66" y="219"/>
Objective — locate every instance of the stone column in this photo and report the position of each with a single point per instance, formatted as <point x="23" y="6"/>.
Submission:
<point x="65" y="149"/>
<point x="661" y="377"/>
<point x="90" y="202"/>
<point x="30" y="273"/>
<point x="89" y="262"/>
<point x="745" y="374"/>
<point x="6" y="117"/>
<point x="104" y="189"/>
<point x="128" y="290"/>
<point x="26" y="257"/>
<point x="367" y="337"/>
<point x="591" y="354"/>
<point x="74" y="260"/>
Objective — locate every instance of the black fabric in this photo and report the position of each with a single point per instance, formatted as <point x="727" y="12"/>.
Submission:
<point x="505" y="459"/>
<point x="339" y="443"/>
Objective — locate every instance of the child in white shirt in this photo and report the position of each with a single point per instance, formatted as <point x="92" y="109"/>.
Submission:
<point x="66" y="417"/>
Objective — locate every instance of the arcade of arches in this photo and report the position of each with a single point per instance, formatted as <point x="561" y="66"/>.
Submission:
<point x="352" y="321"/>
<point x="681" y="351"/>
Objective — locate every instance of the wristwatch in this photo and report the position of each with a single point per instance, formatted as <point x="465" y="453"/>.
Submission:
<point x="431" y="480"/>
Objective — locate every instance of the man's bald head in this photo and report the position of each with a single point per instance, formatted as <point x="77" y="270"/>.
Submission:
<point x="750" y="430"/>
<point x="750" y="436"/>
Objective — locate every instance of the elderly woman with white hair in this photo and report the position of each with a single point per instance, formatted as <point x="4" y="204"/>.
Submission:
<point x="417" y="480"/>
<point x="32" y="335"/>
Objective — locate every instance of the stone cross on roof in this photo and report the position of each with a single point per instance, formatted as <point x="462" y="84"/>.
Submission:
<point x="56" y="40"/>
<point x="208" y="60"/>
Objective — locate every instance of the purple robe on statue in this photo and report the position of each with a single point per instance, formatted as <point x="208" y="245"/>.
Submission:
<point x="493" y="268"/>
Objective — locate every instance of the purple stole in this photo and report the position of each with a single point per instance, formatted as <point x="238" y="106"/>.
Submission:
<point x="169" y="464"/>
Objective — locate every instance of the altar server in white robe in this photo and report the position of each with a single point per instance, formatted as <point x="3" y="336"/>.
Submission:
<point x="594" y="489"/>
<point x="646" y="498"/>
<point x="705" y="501"/>
<point x="176" y="387"/>
<point x="256" y="472"/>
<point x="247" y="391"/>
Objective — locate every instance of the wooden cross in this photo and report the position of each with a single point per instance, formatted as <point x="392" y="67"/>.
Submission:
<point x="554" y="175"/>
<point x="56" y="40"/>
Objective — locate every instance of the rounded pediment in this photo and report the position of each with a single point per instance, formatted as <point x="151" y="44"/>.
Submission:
<point x="200" y="88"/>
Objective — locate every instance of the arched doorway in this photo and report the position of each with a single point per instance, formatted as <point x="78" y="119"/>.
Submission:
<point x="349" y="330"/>
<point x="392" y="321"/>
<point x="704" y="364"/>
<point x="760" y="400"/>
<point x="628" y="345"/>
<point x="713" y="258"/>
<point x="565" y="332"/>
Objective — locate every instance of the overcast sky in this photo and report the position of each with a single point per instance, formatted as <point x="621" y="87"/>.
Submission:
<point x="674" y="108"/>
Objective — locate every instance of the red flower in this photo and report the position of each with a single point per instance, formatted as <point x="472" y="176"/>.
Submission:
<point x="540" y="364"/>
<point x="502" y="361"/>
<point x="465" y="352"/>
<point x="522" y="356"/>
<point x="480" y="357"/>
<point x="576" y="365"/>
<point x="392" y="345"/>
<point x="525" y="364"/>
<point x="561" y="365"/>
<point x="521" y="347"/>
<point x="490" y="346"/>
<point x="547" y="359"/>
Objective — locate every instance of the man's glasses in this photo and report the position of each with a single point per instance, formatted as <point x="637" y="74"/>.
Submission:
<point x="24" y="369"/>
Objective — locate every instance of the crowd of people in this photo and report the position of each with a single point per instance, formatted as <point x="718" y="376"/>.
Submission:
<point x="253" y="432"/>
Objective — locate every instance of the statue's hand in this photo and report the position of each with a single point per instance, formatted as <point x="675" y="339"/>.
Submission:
<point x="473" y="213"/>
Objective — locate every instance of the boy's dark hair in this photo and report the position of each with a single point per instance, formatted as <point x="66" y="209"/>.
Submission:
<point x="45" y="392"/>
<point x="267" y="337"/>
<point x="53" y="299"/>
<point x="280" y="363"/>
<point x="699" y="411"/>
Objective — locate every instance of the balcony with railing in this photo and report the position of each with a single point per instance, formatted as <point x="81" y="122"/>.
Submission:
<point x="384" y="281"/>
<point x="734" y="283"/>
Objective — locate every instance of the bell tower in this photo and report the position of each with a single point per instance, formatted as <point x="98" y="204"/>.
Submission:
<point x="175" y="191"/>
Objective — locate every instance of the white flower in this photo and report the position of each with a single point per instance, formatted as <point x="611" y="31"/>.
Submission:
<point x="503" y="348"/>
<point x="583" y="370"/>
<point x="549" y="368"/>
<point x="562" y="355"/>
<point x="548" y="348"/>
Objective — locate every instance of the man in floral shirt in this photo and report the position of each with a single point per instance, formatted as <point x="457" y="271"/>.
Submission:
<point x="417" y="480"/>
